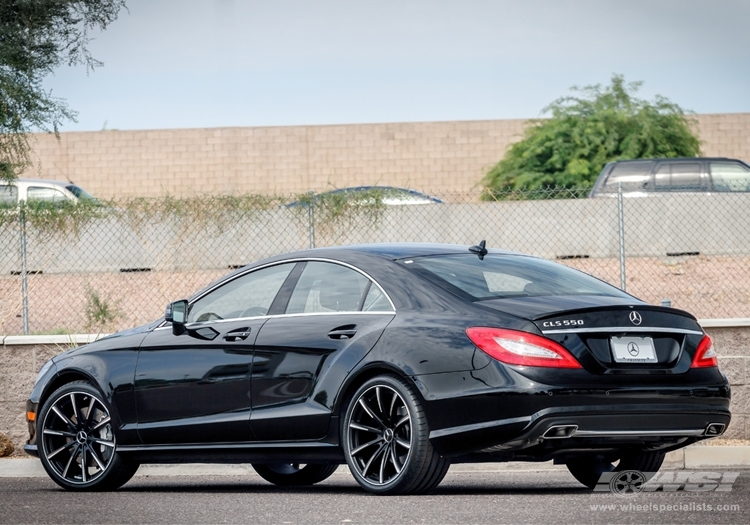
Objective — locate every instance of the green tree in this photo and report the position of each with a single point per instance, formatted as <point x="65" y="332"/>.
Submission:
<point x="569" y="149"/>
<point x="36" y="37"/>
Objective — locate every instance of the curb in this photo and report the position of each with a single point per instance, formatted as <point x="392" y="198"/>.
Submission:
<point x="686" y="458"/>
<point x="32" y="468"/>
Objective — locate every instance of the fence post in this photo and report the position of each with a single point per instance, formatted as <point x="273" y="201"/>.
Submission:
<point x="311" y="219"/>
<point x="24" y="277"/>
<point x="621" y="230"/>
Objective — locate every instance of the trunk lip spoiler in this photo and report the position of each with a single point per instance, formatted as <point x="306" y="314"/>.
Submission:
<point x="618" y="329"/>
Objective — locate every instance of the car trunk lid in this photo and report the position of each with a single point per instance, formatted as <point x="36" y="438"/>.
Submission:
<point x="613" y="335"/>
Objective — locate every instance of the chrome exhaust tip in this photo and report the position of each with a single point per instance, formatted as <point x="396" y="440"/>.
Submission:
<point x="714" y="429"/>
<point x="560" y="431"/>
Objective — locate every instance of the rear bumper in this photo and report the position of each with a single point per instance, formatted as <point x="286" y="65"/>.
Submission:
<point x="557" y="430"/>
<point x="510" y="410"/>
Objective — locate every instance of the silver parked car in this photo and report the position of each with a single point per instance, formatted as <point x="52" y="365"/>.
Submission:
<point x="693" y="174"/>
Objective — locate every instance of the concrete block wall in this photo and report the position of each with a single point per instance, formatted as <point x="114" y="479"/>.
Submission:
<point x="21" y="363"/>
<point x="282" y="160"/>
<point x="22" y="357"/>
<point x="437" y="157"/>
<point x="733" y="347"/>
<point x="725" y="135"/>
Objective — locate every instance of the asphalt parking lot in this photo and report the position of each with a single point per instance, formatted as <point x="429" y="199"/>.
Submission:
<point x="469" y="494"/>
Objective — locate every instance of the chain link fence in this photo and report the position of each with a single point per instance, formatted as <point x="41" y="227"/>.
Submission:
<point x="116" y="266"/>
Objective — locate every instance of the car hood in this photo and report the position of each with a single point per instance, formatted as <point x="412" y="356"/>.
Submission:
<point x="108" y="341"/>
<point x="133" y="331"/>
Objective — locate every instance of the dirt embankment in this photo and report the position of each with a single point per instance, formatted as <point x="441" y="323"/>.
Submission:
<point x="708" y="287"/>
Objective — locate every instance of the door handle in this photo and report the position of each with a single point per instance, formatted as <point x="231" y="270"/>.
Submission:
<point x="240" y="334"/>
<point x="343" y="332"/>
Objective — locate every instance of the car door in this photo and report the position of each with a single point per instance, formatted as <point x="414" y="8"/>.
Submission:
<point x="334" y="316"/>
<point x="679" y="176"/>
<point x="195" y="387"/>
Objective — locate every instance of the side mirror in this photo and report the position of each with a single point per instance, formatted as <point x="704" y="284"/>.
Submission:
<point x="176" y="314"/>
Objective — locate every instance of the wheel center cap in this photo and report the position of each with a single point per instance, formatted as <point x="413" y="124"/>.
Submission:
<point x="388" y="435"/>
<point x="81" y="437"/>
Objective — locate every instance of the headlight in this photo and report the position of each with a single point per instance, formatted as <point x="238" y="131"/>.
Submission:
<point x="43" y="371"/>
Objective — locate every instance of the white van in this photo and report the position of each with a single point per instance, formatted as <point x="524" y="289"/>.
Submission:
<point x="37" y="190"/>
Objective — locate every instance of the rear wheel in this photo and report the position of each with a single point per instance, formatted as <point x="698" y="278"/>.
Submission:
<point x="78" y="447"/>
<point x="385" y="438"/>
<point x="589" y="469"/>
<point x="294" y="474"/>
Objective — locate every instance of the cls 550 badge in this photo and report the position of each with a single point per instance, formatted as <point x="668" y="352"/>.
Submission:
<point x="565" y="322"/>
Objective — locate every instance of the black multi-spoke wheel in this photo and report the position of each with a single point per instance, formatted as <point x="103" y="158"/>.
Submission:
<point x="385" y="437"/>
<point x="294" y="474"/>
<point x="588" y="469"/>
<point x="76" y="442"/>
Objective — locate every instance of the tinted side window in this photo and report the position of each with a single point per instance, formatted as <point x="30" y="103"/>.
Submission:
<point x="327" y="287"/>
<point x="634" y="176"/>
<point x="730" y="176"/>
<point x="40" y="194"/>
<point x="678" y="176"/>
<point x="246" y="296"/>
<point x="376" y="301"/>
<point x="8" y="195"/>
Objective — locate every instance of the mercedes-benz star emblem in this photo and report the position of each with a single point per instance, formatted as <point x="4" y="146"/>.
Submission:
<point x="635" y="318"/>
<point x="633" y="349"/>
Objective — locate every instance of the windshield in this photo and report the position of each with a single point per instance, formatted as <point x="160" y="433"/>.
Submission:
<point x="501" y="276"/>
<point x="81" y="193"/>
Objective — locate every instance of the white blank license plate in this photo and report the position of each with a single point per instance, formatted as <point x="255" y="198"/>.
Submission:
<point x="633" y="350"/>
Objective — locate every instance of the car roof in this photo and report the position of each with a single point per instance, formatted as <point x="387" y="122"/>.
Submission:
<point x="357" y="254"/>
<point x="400" y="250"/>
<point x="673" y="159"/>
<point x="385" y="188"/>
<point x="41" y="181"/>
<point x="392" y="251"/>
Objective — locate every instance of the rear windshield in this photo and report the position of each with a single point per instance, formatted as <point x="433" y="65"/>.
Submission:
<point x="501" y="276"/>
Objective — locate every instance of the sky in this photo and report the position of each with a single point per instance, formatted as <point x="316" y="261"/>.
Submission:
<point x="226" y="63"/>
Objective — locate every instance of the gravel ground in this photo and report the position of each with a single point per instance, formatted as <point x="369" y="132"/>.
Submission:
<point x="708" y="287"/>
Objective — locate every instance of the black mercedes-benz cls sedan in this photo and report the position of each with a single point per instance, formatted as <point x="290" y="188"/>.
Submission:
<point x="396" y="359"/>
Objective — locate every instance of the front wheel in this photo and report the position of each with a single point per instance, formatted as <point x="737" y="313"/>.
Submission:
<point x="385" y="438"/>
<point x="77" y="444"/>
<point x="294" y="474"/>
<point x="589" y="469"/>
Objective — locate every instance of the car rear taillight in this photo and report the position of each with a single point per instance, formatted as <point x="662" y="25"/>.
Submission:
<point x="705" y="356"/>
<point x="521" y="348"/>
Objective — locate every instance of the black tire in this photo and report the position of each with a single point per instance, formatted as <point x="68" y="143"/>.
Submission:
<point x="76" y="440"/>
<point x="588" y="469"/>
<point x="385" y="438"/>
<point x="294" y="474"/>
